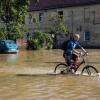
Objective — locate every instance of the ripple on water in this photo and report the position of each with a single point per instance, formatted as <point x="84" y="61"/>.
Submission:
<point x="40" y="86"/>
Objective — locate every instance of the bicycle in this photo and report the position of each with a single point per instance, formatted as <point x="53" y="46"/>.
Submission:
<point x="63" y="68"/>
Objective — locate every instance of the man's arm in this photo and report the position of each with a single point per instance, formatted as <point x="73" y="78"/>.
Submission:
<point x="75" y="51"/>
<point x="83" y="49"/>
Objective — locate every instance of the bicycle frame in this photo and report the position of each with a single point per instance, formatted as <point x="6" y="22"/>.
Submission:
<point x="80" y="63"/>
<point x="63" y="68"/>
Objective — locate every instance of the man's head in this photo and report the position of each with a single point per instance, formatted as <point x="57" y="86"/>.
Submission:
<point x="76" y="37"/>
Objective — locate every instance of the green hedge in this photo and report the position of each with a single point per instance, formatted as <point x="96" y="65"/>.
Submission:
<point x="39" y="40"/>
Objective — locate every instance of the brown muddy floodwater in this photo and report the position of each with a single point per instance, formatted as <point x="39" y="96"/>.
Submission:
<point x="37" y="85"/>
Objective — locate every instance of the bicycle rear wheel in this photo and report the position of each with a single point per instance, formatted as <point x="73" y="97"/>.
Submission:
<point x="61" y="68"/>
<point x="89" y="70"/>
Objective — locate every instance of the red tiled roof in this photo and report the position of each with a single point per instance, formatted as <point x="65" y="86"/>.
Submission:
<point x="53" y="4"/>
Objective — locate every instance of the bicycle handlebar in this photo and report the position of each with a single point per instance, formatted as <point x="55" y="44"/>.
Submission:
<point x="83" y="54"/>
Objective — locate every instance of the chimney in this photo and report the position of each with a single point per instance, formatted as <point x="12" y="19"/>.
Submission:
<point x="36" y="1"/>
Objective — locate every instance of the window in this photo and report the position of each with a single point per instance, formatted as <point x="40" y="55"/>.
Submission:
<point x="86" y="36"/>
<point x="60" y="14"/>
<point x="40" y="17"/>
<point x="96" y="15"/>
<point x="86" y="14"/>
<point x="2" y="43"/>
<point x="30" y="19"/>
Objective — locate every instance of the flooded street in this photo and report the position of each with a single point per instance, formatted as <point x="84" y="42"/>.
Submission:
<point x="37" y="84"/>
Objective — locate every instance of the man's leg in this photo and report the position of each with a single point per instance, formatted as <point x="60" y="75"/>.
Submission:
<point x="75" y="59"/>
<point x="68" y="59"/>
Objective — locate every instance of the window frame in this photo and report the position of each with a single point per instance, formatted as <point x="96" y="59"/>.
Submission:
<point x="60" y="14"/>
<point x="87" y="36"/>
<point x="41" y="15"/>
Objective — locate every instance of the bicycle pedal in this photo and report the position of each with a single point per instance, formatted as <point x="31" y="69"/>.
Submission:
<point x="62" y="72"/>
<point x="69" y="70"/>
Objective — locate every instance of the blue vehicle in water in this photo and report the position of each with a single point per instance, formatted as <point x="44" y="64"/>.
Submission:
<point x="8" y="46"/>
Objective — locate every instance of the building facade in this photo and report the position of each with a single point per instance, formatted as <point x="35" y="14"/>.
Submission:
<point x="80" y="16"/>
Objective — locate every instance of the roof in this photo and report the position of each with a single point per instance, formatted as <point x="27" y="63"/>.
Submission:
<point x="36" y="5"/>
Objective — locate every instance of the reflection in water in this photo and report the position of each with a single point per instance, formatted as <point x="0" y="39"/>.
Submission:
<point x="12" y="57"/>
<point x="40" y="86"/>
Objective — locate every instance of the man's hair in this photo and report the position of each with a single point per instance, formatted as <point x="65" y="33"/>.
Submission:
<point x="77" y="35"/>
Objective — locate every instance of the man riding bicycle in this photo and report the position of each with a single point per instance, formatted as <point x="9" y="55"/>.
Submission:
<point x="72" y="67"/>
<point x="70" y="54"/>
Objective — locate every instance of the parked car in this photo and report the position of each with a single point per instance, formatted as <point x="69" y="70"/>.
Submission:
<point x="8" y="46"/>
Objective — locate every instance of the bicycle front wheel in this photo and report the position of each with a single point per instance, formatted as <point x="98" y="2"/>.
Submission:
<point x="60" y="68"/>
<point x="89" y="70"/>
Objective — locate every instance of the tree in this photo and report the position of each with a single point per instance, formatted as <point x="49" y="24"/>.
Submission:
<point x="12" y="14"/>
<point x="58" y="27"/>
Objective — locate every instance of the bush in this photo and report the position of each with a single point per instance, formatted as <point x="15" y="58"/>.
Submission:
<point x="39" y="40"/>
